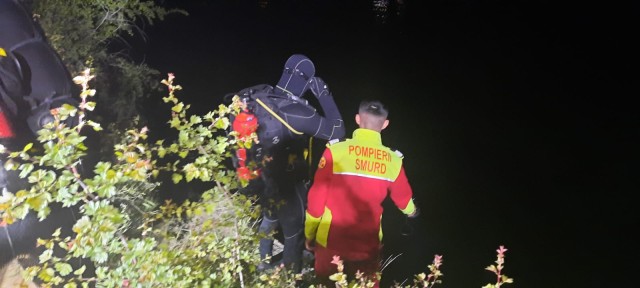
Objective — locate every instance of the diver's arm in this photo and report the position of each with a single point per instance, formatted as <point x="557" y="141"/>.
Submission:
<point x="334" y="126"/>
<point x="304" y="119"/>
<point x="307" y="120"/>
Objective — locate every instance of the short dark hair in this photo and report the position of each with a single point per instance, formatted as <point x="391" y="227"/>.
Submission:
<point x="373" y="107"/>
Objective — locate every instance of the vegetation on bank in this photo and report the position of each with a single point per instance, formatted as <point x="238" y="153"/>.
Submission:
<point x="132" y="241"/>
<point x="127" y="237"/>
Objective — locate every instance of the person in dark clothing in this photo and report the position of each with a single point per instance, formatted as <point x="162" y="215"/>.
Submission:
<point x="33" y="82"/>
<point x="284" y="123"/>
<point x="34" y="79"/>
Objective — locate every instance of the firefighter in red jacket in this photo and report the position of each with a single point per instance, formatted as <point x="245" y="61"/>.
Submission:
<point x="344" y="212"/>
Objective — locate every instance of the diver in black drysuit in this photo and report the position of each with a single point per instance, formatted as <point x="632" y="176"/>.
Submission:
<point x="33" y="80"/>
<point x="286" y="121"/>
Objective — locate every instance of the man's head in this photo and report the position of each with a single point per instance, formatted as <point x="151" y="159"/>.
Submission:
<point x="372" y="115"/>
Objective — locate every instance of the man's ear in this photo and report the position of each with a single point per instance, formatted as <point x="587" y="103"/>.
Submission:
<point x="386" y="123"/>
<point x="358" y="119"/>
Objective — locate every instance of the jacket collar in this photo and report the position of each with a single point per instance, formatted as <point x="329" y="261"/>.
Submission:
<point x="367" y="135"/>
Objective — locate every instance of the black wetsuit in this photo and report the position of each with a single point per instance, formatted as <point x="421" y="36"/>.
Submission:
<point x="286" y="123"/>
<point x="33" y="80"/>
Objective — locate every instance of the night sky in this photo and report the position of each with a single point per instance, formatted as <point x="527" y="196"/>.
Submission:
<point x="515" y="119"/>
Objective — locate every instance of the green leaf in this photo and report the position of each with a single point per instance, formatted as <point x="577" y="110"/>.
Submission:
<point x="9" y="164"/>
<point x="174" y="123"/>
<point x="178" y="107"/>
<point x="161" y="152"/>
<point x="90" y="105"/>
<point x="38" y="202"/>
<point x="45" y="256"/>
<point x="94" y="125"/>
<point x="80" y="270"/>
<point x="25" y="169"/>
<point x="222" y="123"/>
<point x="176" y="178"/>
<point x="63" y="268"/>
<point x="27" y="147"/>
<point x="195" y="119"/>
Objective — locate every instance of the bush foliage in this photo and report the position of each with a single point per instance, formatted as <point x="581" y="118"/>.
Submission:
<point x="131" y="240"/>
<point x="205" y="243"/>
<point x="101" y="34"/>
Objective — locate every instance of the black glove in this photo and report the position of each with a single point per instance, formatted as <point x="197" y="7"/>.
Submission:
<point x="319" y="88"/>
<point x="407" y="228"/>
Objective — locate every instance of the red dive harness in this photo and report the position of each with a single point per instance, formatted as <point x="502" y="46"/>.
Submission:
<point x="5" y="126"/>
<point x="245" y="123"/>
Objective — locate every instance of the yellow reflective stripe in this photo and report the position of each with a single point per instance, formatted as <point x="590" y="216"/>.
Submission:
<point x="311" y="225"/>
<point x="309" y="157"/>
<point x="278" y="117"/>
<point x="2" y="52"/>
<point x="380" y="230"/>
<point x="318" y="227"/>
<point x="366" y="175"/>
<point x="323" y="230"/>
<point x="410" y="208"/>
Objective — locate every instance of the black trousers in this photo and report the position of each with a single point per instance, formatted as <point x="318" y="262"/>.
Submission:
<point x="285" y="209"/>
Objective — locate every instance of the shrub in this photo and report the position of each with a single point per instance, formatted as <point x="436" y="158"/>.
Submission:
<point x="204" y="243"/>
<point x="133" y="241"/>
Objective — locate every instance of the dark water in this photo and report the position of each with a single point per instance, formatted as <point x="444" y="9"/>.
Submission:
<point x="513" y="116"/>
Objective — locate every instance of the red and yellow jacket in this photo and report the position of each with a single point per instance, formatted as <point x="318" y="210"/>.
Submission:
<point x="354" y="177"/>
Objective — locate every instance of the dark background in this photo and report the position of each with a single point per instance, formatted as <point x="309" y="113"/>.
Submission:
<point x="515" y="118"/>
